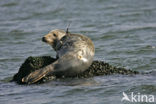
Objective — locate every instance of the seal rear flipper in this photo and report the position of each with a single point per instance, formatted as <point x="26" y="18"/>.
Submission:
<point x="38" y="74"/>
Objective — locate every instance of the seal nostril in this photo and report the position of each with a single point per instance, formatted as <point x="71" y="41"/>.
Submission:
<point x="44" y="39"/>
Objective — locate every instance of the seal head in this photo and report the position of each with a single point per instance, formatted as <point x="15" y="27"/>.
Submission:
<point x="53" y="37"/>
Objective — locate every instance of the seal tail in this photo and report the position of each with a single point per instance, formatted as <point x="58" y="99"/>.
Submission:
<point x="38" y="74"/>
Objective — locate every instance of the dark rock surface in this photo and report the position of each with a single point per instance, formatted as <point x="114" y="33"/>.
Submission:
<point x="96" y="69"/>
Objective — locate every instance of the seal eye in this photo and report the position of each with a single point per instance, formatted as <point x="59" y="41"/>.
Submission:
<point x="54" y="35"/>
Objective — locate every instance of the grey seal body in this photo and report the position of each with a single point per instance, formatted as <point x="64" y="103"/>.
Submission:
<point x="75" y="54"/>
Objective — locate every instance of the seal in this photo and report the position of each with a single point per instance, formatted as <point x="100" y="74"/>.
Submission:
<point x="75" y="53"/>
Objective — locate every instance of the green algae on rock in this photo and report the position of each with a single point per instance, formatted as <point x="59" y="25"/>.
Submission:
<point x="96" y="69"/>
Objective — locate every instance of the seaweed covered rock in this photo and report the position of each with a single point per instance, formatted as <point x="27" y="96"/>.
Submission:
<point x="31" y="64"/>
<point x="96" y="69"/>
<point x="101" y="68"/>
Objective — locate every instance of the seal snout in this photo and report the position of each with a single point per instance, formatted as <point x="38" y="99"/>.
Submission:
<point x="44" y="39"/>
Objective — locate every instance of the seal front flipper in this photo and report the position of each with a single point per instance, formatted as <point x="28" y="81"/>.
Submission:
<point x="38" y="74"/>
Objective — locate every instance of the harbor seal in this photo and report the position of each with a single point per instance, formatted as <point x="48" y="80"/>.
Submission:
<point x="75" y="54"/>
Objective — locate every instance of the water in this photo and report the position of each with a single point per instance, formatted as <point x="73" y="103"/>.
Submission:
<point x="124" y="34"/>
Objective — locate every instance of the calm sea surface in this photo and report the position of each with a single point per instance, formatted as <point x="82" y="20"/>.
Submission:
<point x="124" y="34"/>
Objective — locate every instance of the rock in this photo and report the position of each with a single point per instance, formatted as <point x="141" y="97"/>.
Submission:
<point x="96" y="69"/>
<point x="31" y="64"/>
